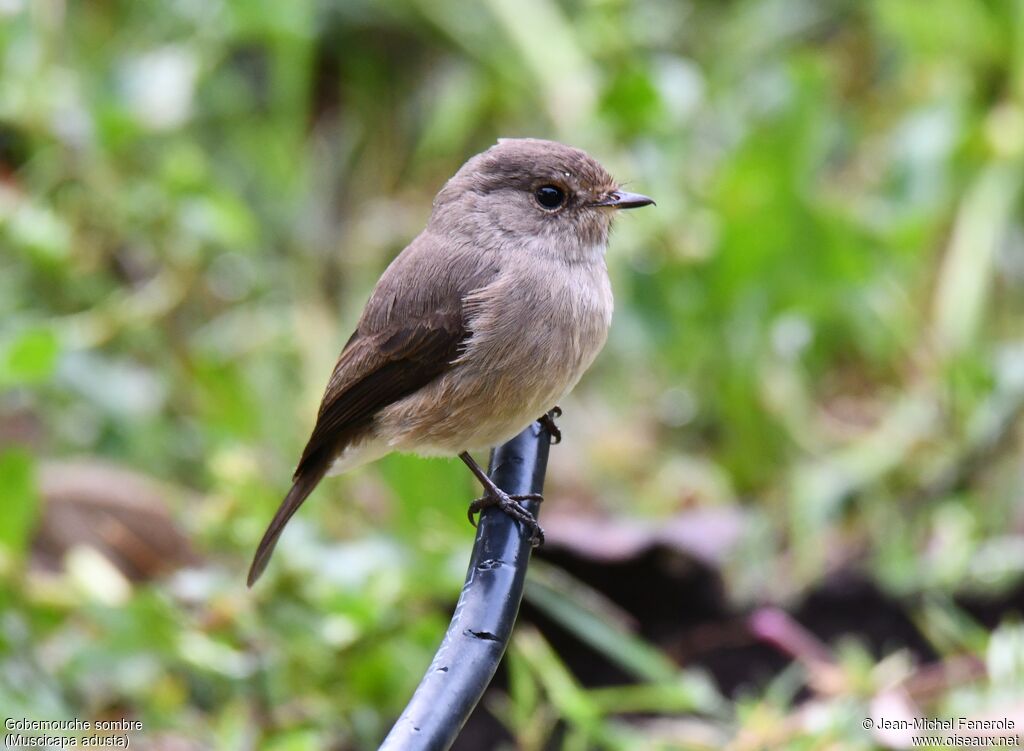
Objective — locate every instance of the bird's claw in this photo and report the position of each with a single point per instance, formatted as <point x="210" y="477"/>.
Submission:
<point x="547" y="421"/>
<point x="511" y="505"/>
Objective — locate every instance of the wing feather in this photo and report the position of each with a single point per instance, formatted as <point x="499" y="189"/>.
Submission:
<point x="390" y="356"/>
<point x="377" y="371"/>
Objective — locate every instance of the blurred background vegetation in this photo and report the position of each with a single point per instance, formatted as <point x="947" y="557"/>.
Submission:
<point x="816" y="368"/>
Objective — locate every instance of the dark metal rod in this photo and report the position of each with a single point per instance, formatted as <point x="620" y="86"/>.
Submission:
<point x="482" y="622"/>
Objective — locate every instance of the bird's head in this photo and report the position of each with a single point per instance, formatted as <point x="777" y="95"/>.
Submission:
<point x="534" y="194"/>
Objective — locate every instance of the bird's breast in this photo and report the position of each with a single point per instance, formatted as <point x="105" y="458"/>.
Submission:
<point x="533" y="332"/>
<point x="549" y="318"/>
<point x="533" y="340"/>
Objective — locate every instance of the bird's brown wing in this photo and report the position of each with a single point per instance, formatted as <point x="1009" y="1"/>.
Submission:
<point x="410" y="333"/>
<point x="373" y="371"/>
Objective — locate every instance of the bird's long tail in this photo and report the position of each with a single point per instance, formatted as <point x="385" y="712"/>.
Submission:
<point x="306" y="479"/>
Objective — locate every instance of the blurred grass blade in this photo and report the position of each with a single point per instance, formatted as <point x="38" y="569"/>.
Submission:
<point x="821" y="484"/>
<point x="562" y="690"/>
<point x="656" y="698"/>
<point x="548" y="45"/>
<point x="966" y="273"/>
<point x="570" y="603"/>
<point x="949" y="628"/>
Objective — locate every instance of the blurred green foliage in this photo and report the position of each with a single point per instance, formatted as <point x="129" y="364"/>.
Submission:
<point x="822" y="321"/>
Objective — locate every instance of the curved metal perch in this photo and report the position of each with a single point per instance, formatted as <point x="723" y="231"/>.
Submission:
<point x="482" y="622"/>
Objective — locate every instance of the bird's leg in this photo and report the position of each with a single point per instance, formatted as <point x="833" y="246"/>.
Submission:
<point x="510" y="504"/>
<point x="548" y="421"/>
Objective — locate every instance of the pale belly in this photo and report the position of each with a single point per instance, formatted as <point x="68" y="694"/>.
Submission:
<point x="452" y="415"/>
<point x="524" y="356"/>
<point x="484" y="415"/>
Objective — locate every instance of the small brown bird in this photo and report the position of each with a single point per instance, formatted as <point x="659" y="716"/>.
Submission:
<point x="480" y="325"/>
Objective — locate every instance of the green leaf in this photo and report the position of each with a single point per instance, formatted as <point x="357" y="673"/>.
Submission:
<point x="18" y="499"/>
<point x="30" y="358"/>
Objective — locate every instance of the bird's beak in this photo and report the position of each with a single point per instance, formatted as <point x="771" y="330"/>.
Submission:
<point x="620" y="199"/>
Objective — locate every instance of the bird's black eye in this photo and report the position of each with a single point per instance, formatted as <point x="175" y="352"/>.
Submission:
<point x="549" y="196"/>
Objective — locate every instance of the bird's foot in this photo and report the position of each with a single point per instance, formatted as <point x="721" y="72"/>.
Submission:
<point x="511" y="505"/>
<point x="547" y="421"/>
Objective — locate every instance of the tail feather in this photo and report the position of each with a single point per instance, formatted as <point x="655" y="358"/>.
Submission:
<point x="306" y="479"/>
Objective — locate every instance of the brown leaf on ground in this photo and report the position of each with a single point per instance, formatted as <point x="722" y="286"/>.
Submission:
<point x="121" y="513"/>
